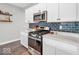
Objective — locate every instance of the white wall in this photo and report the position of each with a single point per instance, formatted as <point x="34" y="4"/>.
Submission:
<point x="11" y="31"/>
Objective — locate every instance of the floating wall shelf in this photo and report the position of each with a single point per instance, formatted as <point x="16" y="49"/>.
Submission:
<point x="5" y="14"/>
<point x="5" y="21"/>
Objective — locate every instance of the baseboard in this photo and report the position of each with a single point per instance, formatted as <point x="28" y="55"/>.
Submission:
<point x="9" y="41"/>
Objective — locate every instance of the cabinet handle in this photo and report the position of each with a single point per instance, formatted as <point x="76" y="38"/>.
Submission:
<point x="58" y="18"/>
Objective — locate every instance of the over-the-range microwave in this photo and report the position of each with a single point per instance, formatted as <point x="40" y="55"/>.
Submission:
<point x="40" y="16"/>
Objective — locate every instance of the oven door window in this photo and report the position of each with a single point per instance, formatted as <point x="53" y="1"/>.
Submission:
<point x="38" y="46"/>
<point x="31" y="42"/>
<point x="35" y="44"/>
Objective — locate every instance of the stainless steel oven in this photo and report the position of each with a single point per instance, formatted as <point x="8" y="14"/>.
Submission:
<point x="35" y="41"/>
<point x="35" y="45"/>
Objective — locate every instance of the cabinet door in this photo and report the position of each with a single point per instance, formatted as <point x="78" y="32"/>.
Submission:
<point x="52" y="9"/>
<point x="48" y="50"/>
<point x="42" y="6"/>
<point x="29" y="14"/>
<point x="61" y="52"/>
<point x="39" y="7"/>
<point x="48" y="47"/>
<point x="67" y="11"/>
<point x="24" y="40"/>
<point x="36" y="8"/>
<point x="77" y="12"/>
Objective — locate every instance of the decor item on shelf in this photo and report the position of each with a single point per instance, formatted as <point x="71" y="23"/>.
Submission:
<point x="5" y="16"/>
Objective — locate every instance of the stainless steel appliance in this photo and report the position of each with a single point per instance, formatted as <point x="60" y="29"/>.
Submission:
<point x="40" y="16"/>
<point x="35" y="41"/>
<point x="44" y="16"/>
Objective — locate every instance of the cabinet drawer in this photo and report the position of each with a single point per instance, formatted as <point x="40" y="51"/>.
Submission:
<point x="48" y="50"/>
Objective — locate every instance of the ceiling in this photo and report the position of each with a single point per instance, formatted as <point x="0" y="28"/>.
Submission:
<point x="23" y="5"/>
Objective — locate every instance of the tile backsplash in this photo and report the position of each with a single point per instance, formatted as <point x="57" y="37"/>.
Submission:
<point x="68" y="27"/>
<point x="59" y="26"/>
<point x="77" y="27"/>
<point x="32" y="25"/>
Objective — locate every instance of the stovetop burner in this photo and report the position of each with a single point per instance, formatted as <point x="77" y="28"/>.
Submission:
<point x="40" y="32"/>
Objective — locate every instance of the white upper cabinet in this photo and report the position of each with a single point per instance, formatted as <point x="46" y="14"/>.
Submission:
<point x="43" y="6"/>
<point x="77" y="12"/>
<point x="29" y="14"/>
<point x="39" y="7"/>
<point x="36" y="8"/>
<point x="55" y="11"/>
<point x="52" y="9"/>
<point x="67" y="11"/>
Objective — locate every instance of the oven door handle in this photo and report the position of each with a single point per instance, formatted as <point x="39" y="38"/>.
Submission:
<point x="31" y="37"/>
<point x="35" y="38"/>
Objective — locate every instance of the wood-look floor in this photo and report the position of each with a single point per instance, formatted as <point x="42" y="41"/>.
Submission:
<point x="14" y="48"/>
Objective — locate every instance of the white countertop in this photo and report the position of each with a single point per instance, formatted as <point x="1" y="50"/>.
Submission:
<point x="65" y="39"/>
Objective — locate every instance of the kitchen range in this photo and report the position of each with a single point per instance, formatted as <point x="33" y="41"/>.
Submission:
<point x="35" y="41"/>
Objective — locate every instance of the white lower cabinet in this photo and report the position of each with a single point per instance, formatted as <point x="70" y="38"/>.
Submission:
<point x="52" y="46"/>
<point x="48" y="48"/>
<point x="61" y="52"/>
<point x="24" y="40"/>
